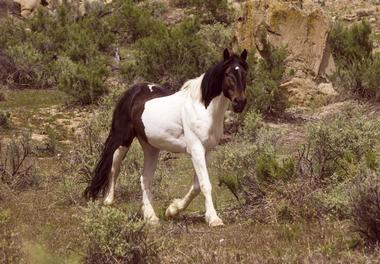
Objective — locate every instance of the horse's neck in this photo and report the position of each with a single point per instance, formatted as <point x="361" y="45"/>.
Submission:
<point x="218" y="107"/>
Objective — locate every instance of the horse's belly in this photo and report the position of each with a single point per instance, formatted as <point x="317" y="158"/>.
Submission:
<point x="162" y="124"/>
<point x="171" y="144"/>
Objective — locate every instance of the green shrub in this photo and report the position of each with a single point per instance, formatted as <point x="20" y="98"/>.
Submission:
<point x="250" y="170"/>
<point x="132" y="22"/>
<point x="210" y="11"/>
<point x="365" y="213"/>
<point x="4" y="119"/>
<point x="60" y="49"/>
<point x="17" y="168"/>
<point x="32" y="61"/>
<point x="269" y="169"/>
<point x="114" y="237"/>
<point x="266" y="75"/>
<point x="10" y="241"/>
<point x="336" y="199"/>
<point x="357" y="67"/>
<point x="252" y="122"/>
<point x="84" y="83"/>
<point x="175" y="56"/>
<point x="335" y="150"/>
<point x="156" y="8"/>
<point x="371" y="77"/>
<point x="235" y="164"/>
<point x="217" y="36"/>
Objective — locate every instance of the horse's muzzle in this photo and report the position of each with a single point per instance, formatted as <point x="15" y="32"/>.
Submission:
<point x="238" y="105"/>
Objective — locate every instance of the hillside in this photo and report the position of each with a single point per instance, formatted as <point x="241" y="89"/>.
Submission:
<point x="296" y="177"/>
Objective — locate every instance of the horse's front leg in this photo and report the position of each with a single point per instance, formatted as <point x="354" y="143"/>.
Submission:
<point x="198" y="156"/>
<point x="178" y="205"/>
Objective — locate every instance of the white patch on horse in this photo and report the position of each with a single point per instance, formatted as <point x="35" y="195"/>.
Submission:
<point x="150" y="86"/>
<point x="192" y="88"/>
<point x="237" y="68"/>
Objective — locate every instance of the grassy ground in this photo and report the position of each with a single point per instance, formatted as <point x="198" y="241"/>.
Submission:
<point x="50" y="228"/>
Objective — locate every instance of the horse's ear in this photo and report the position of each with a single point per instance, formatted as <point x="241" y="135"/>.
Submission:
<point x="226" y="54"/>
<point x="244" y="55"/>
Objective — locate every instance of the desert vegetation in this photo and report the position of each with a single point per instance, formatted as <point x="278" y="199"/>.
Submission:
<point x="294" y="184"/>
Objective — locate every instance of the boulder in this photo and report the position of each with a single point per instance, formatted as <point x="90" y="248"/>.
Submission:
<point x="303" y="92"/>
<point x="299" y="91"/>
<point x="303" y="32"/>
<point x="28" y="6"/>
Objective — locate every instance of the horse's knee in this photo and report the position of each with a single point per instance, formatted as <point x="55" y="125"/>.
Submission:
<point x="206" y="188"/>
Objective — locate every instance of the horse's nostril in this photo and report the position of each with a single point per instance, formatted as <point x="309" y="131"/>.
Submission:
<point x="235" y="101"/>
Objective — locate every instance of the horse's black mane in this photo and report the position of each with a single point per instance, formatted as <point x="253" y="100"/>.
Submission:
<point x="212" y="80"/>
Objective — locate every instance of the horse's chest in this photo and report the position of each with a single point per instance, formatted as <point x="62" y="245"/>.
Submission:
<point x="209" y="132"/>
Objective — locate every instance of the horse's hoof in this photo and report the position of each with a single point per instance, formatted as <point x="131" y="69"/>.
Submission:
<point x="107" y="202"/>
<point x="153" y="221"/>
<point x="172" y="210"/>
<point x="216" y="222"/>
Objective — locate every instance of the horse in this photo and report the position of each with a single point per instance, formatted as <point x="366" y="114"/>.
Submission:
<point x="187" y="121"/>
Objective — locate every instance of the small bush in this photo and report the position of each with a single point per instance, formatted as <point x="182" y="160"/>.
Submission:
<point x="268" y="169"/>
<point x="16" y="164"/>
<point x="357" y="67"/>
<point x="84" y="83"/>
<point x="175" y="56"/>
<point x="210" y="11"/>
<point x="10" y="241"/>
<point x="251" y="124"/>
<point x="249" y="170"/>
<point x="114" y="237"/>
<point x="12" y="75"/>
<point x="132" y="22"/>
<point x="231" y="173"/>
<point x="4" y="119"/>
<point x="266" y="75"/>
<point x="365" y="212"/>
<point x="60" y="49"/>
<point x="335" y="150"/>
<point x="371" y="77"/>
<point x="217" y="36"/>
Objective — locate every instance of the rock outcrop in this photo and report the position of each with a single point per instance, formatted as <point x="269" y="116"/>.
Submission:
<point x="28" y="6"/>
<point x="304" y="33"/>
<point x="303" y="92"/>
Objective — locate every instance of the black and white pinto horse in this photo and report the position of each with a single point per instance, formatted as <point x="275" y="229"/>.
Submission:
<point x="188" y="121"/>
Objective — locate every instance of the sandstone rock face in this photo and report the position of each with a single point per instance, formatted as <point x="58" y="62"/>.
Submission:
<point x="304" y="33"/>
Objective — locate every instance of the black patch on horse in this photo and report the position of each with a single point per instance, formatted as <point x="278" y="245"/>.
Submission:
<point x="126" y="125"/>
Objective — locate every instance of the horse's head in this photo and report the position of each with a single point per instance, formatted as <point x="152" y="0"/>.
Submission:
<point x="234" y="81"/>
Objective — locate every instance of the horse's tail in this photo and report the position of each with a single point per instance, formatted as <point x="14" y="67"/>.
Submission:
<point x="121" y="134"/>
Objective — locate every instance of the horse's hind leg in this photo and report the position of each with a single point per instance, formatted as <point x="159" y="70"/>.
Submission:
<point x="179" y="205"/>
<point x="151" y="155"/>
<point x="118" y="157"/>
